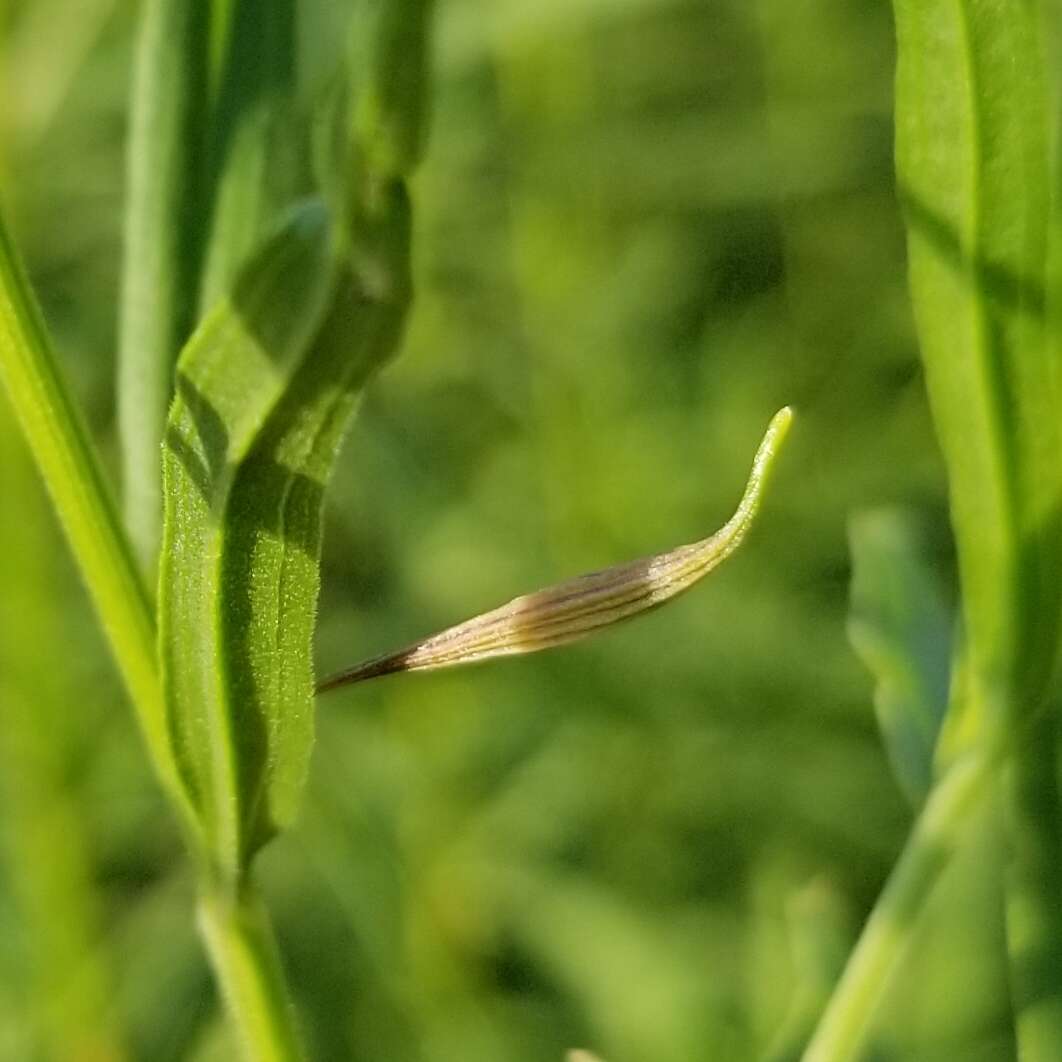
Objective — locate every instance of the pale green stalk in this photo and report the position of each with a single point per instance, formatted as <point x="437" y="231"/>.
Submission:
<point x="162" y="227"/>
<point x="1034" y="889"/>
<point x="70" y="1003"/>
<point x="972" y="166"/>
<point x="893" y="922"/>
<point x="298" y="437"/>
<point x="65" y="458"/>
<point x="243" y="953"/>
<point x="252" y="129"/>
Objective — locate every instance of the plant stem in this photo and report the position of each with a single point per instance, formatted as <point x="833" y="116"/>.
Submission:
<point x="70" y="996"/>
<point x="243" y="952"/>
<point x="253" y="127"/>
<point x="391" y="121"/>
<point x="60" y="446"/>
<point x="162" y="233"/>
<point x="1034" y="885"/>
<point x="237" y="933"/>
<point x="885" y="937"/>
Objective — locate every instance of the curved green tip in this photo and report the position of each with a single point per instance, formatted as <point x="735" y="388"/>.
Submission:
<point x="762" y="467"/>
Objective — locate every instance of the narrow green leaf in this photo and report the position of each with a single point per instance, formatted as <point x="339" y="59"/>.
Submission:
<point x="265" y="391"/>
<point x="60" y="445"/>
<point x="973" y="158"/>
<point x="973" y="171"/>
<point x="253" y="133"/>
<point x="899" y="625"/>
<point x="391" y="118"/>
<point x="578" y="607"/>
<point x="162" y="236"/>
<point x="942" y="825"/>
<point x="231" y="376"/>
<point x="971" y="115"/>
<point x="69" y="1001"/>
<point x="288" y="472"/>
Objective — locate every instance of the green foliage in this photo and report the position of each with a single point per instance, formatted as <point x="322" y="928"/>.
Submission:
<point x="255" y="150"/>
<point x="973" y="164"/>
<point x="901" y="628"/>
<point x="391" y="112"/>
<point x="67" y="1001"/>
<point x="971" y="144"/>
<point x="239" y="710"/>
<point x="67" y="462"/>
<point x="975" y="180"/>
<point x="163" y="233"/>
<point x="641" y="227"/>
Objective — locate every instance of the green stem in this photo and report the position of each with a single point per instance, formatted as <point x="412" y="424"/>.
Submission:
<point x="391" y="121"/>
<point x="1034" y="885"/>
<point x="68" y="991"/>
<point x="891" y="925"/>
<point x="252" y="124"/>
<point x="243" y="952"/>
<point x="162" y="233"/>
<point x="238" y="935"/>
<point x="60" y="446"/>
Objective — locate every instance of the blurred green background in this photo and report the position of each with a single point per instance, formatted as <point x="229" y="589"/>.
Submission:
<point x="643" y="226"/>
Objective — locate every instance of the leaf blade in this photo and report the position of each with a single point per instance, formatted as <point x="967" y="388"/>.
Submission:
<point x="972" y="165"/>
<point x="231" y="376"/>
<point x="272" y="633"/>
<point x="900" y="628"/>
<point x="265" y="391"/>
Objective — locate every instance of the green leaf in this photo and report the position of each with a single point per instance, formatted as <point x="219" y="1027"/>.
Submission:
<point x="973" y="155"/>
<point x="68" y="987"/>
<point x="972" y="160"/>
<point x="163" y="234"/>
<point x="819" y="941"/>
<point x="255" y="153"/>
<point x="59" y="441"/>
<point x="265" y="390"/>
<point x="231" y="377"/>
<point x="974" y="177"/>
<point x="391" y="118"/>
<point x="900" y="627"/>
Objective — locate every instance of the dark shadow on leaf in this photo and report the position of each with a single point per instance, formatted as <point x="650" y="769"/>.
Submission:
<point x="203" y="463"/>
<point x="1010" y="289"/>
<point x="272" y="501"/>
<point x="269" y="501"/>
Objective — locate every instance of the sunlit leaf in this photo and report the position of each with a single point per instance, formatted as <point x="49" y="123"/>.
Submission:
<point x="229" y="735"/>
<point x="265" y="390"/>
<point x="972" y="166"/>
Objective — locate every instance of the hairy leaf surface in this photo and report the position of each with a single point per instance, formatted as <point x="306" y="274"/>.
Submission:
<point x="265" y="390"/>
<point x="230" y="378"/>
